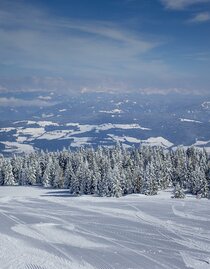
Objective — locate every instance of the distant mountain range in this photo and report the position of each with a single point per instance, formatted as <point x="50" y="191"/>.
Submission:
<point x="37" y="120"/>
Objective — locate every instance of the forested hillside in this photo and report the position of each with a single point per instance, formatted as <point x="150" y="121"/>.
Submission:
<point x="112" y="171"/>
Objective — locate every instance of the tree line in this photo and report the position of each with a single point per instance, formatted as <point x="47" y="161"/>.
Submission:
<point x="113" y="171"/>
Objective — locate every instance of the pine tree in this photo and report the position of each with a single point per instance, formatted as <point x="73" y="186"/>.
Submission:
<point x="7" y="173"/>
<point x="198" y="183"/>
<point x="1" y="174"/>
<point x="17" y="164"/>
<point x="30" y="175"/>
<point x="75" y="185"/>
<point x="57" y="181"/>
<point x="138" y="179"/>
<point x="112" y="172"/>
<point x="69" y="173"/>
<point x="47" y="176"/>
<point x="178" y="192"/>
<point x="104" y="170"/>
<point x="129" y="180"/>
<point x="116" y="186"/>
<point x="38" y="172"/>
<point x="96" y="176"/>
<point x="150" y="182"/>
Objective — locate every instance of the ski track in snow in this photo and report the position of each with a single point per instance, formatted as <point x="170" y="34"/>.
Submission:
<point x="131" y="232"/>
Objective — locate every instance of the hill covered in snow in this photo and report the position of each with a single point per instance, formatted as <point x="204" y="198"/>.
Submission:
<point x="92" y="119"/>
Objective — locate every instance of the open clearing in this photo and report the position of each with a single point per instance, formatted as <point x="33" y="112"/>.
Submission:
<point x="49" y="229"/>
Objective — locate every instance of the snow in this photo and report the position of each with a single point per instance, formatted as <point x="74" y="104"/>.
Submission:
<point x="189" y="120"/>
<point x="207" y="149"/>
<point x="16" y="147"/>
<point x="40" y="123"/>
<point x="114" y="111"/>
<point x="81" y="141"/>
<point x="201" y="143"/>
<point x="47" y="123"/>
<point x="153" y="141"/>
<point x="28" y="122"/>
<point x="7" y="129"/>
<point x="116" y="138"/>
<point x="106" y="126"/>
<point x="83" y="128"/>
<point x="32" y="132"/>
<point x="72" y="124"/>
<point x="130" y="126"/>
<point x="30" y="257"/>
<point x="45" y="98"/>
<point x="57" y="134"/>
<point x="28" y="134"/>
<point x="21" y="139"/>
<point x="47" y="115"/>
<point x="119" y="103"/>
<point x="132" y="139"/>
<point x="158" y="141"/>
<point x="49" y="229"/>
<point x="206" y="104"/>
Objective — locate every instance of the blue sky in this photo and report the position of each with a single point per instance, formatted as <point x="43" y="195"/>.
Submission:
<point x="107" y="44"/>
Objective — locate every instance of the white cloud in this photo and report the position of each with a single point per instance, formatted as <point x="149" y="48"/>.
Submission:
<point x="200" y="18"/>
<point x="84" y="52"/>
<point x="17" y="102"/>
<point x="165" y="91"/>
<point x="3" y="89"/>
<point x="181" y="4"/>
<point x="45" y="98"/>
<point x="35" y="40"/>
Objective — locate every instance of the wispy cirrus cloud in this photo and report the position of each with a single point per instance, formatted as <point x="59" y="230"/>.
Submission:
<point x="200" y="18"/>
<point x="34" y="41"/>
<point x="181" y="4"/>
<point x="67" y="52"/>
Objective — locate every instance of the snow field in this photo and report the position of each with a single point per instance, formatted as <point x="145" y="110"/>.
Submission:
<point x="48" y="229"/>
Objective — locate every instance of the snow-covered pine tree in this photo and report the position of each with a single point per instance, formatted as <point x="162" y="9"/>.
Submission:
<point x="75" y="185"/>
<point x="129" y="179"/>
<point x="1" y="172"/>
<point x="178" y="192"/>
<point x="68" y="175"/>
<point x="150" y="182"/>
<point x="47" y="179"/>
<point x="96" y="177"/>
<point x="116" y="186"/>
<point x="179" y="167"/>
<point x="7" y="173"/>
<point x="167" y="169"/>
<point x="198" y="183"/>
<point x="104" y="167"/>
<point x="58" y="180"/>
<point x="104" y="170"/>
<point x="16" y="162"/>
<point x="30" y="175"/>
<point x="138" y="179"/>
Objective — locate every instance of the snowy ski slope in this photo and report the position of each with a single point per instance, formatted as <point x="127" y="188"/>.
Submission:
<point x="49" y="229"/>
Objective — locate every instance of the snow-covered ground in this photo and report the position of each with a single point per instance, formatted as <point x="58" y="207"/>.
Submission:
<point x="189" y="120"/>
<point x="49" y="229"/>
<point x="26" y="136"/>
<point x="152" y="141"/>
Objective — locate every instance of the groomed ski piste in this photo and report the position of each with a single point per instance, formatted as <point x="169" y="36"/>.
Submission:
<point x="49" y="229"/>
